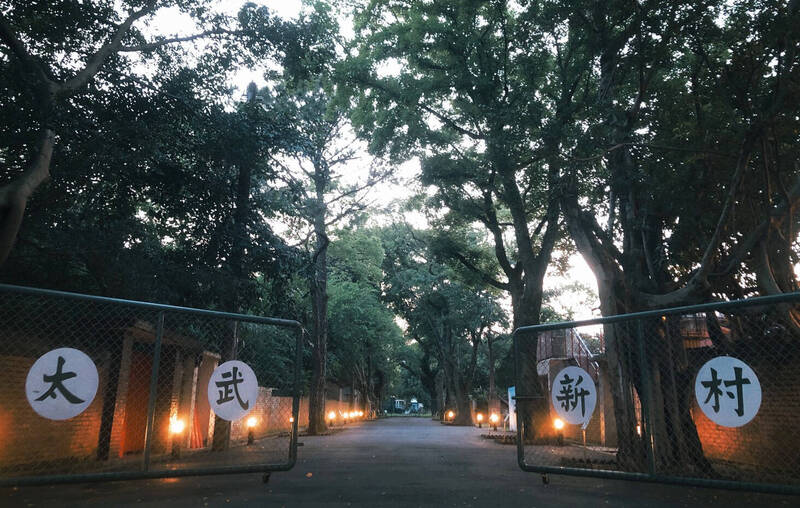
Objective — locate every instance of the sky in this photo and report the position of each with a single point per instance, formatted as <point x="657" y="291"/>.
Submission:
<point x="171" y="23"/>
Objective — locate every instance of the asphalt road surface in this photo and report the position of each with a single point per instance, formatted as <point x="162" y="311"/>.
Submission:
<point x="390" y="462"/>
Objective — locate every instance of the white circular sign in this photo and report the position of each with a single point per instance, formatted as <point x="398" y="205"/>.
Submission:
<point x="728" y="391"/>
<point x="232" y="390"/>
<point x="574" y="395"/>
<point x="61" y="383"/>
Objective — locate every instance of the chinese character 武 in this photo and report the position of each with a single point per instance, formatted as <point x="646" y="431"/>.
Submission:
<point x="230" y="387"/>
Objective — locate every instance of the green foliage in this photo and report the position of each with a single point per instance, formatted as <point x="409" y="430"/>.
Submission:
<point x="365" y="343"/>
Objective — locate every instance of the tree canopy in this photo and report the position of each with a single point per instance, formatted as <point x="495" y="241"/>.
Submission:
<point x="657" y="140"/>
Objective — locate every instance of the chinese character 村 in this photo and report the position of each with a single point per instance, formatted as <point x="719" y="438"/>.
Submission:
<point x="714" y="390"/>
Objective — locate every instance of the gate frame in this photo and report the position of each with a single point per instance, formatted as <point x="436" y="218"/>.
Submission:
<point x="146" y="473"/>
<point x="652" y="476"/>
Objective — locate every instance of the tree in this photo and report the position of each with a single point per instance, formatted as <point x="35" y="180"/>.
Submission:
<point x="446" y="317"/>
<point x="468" y="101"/>
<point x="57" y="53"/>
<point x="315" y="171"/>
<point x="365" y="341"/>
<point x="681" y="111"/>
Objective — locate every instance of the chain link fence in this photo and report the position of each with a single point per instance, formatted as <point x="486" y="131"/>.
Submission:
<point x="96" y="388"/>
<point x="703" y="395"/>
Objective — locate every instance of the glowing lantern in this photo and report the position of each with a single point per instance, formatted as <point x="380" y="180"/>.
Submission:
<point x="176" y="426"/>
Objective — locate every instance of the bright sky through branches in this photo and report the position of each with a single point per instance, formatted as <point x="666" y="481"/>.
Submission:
<point x="170" y="22"/>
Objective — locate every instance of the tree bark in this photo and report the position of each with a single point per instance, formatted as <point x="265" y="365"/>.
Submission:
<point x="14" y="195"/>
<point x="241" y="216"/>
<point x="494" y="402"/>
<point x="319" y="310"/>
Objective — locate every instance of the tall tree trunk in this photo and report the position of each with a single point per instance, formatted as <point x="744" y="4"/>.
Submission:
<point x="441" y="407"/>
<point x="645" y="362"/>
<point x="14" y="195"/>
<point x="319" y="311"/>
<point x="494" y="402"/>
<point x="533" y="404"/>
<point x="241" y="215"/>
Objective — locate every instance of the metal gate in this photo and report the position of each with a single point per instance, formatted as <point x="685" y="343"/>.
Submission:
<point x="95" y="388"/>
<point x="705" y="395"/>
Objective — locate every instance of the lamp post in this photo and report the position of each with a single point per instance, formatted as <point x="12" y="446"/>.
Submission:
<point x="558" y="423"/>
<point x="251" y="425"/>
<point x="176" y="429"/>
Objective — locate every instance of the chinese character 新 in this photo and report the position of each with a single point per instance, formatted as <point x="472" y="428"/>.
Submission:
<point x="569" y="396"/>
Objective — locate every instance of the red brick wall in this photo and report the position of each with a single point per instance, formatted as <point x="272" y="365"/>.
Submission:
<point x="272" y="414"/>
<point x="26" y="437"/>
<point x="770" y="439"/>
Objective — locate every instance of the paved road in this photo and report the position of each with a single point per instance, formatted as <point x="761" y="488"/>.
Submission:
<point x="391" y="462"/>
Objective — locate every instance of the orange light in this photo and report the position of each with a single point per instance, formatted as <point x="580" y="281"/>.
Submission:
<point x="494" y="418"/>
<point x="176" y="426"/>
<point x="361" y="414"/>
<point x="450" y="415"/>
<point x="251" y="422"/>
<point x="291" y="419"/>
<point x="480" y="417"/>
<point x="558" y="423"/>
<point x="332" y="415"/>
<point x="639" y="429"/>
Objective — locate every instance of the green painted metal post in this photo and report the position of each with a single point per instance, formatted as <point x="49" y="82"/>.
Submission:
<point x="151" y="401"/>
<point x="646" y="399"/>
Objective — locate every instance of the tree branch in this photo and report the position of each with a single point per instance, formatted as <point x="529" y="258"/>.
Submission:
<point x="29" y="62"/>
<point x="150" y="46"/>
<point x="96" y="61"/>
<point x="482" y="274"/>
<point x="14" y="196"/>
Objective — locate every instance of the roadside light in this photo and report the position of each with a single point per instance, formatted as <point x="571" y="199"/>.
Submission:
<point x="558" y="423"/>
<point x="332" y="415"/>
<point x="639" y="429"/>
<point x="291" y="419"/>
<point x="450" y="415"/>
<point x="251" y="424"/>
<point x="494" y="419"/>
<point x="480" y="420"/>
<point x="176" y="426"/>
<point x="361" y="414"/>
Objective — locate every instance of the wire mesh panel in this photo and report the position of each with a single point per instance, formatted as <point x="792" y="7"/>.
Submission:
<point x="96" y="388"/>
<point x="704" y="395"/>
